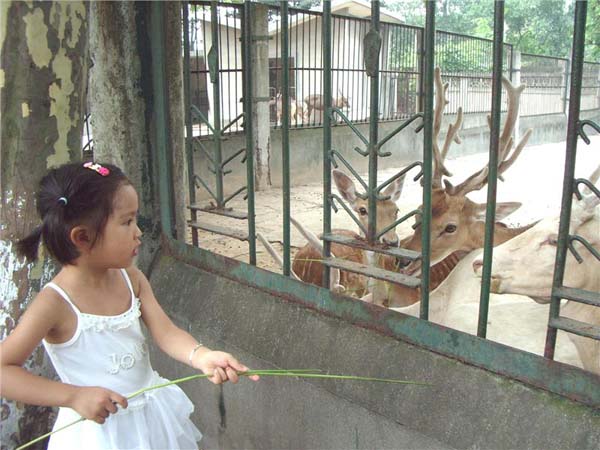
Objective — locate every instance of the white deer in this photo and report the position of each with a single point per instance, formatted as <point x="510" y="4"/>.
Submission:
<point x="525" y="265"/>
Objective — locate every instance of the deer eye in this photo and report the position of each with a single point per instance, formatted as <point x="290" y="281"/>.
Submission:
<point x="362" y="211"/>
<point x="450" y="228"/>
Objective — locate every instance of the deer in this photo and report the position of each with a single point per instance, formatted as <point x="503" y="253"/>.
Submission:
<point x="457" y="223"/>
<point x="315" y="102"/>
<point x="525" y="265"/>
<point x="308" y="268"/>
<point x="513" y="320"/>
<point x="296" y="109"/>
<point x="307" y="265"/>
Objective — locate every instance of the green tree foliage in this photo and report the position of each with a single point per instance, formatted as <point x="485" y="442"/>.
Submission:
<point x="592" y="32"/>
<point x="542" y="27"/>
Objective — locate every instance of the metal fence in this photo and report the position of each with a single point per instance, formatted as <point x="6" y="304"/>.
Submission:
<point x="546" y="80"/>
<point x="461" y="59"/>
<point x="590" y="87"/>
<point x="466" y="64"/>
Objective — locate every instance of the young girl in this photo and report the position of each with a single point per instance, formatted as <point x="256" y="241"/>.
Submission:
<point x="88" y="321"/>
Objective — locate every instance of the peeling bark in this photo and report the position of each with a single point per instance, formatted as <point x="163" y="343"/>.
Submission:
<point x="42" y="77"/>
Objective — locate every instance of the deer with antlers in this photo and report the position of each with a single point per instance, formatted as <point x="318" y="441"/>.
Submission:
<point x="457" y="223"/>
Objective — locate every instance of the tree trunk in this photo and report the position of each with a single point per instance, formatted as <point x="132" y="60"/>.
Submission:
<point x="43" y="73"/>
<point x="120" y="99"/>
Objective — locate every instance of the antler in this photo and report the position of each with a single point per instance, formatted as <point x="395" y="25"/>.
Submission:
<point x="479" y="179"/>
<point x="439" y="169"/>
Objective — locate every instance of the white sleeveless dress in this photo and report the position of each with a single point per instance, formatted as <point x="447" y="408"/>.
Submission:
<point x="111" y="352"/>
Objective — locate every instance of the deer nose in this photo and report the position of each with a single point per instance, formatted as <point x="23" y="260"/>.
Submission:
<point x="477" y="264"/>
<point x="403" y="262"/>
<point x="390" y="242"/>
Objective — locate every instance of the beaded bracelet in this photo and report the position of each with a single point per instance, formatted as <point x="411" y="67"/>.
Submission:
<point x="192" y="353"/>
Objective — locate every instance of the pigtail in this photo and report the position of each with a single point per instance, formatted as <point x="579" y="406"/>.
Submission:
<point x="28" y="246"/>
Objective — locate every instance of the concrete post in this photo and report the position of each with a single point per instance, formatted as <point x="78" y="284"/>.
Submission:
<point x="261" y="128"/>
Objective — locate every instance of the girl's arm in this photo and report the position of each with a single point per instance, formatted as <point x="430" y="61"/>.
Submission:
<point x="16" y="383"/>
<point x="178" y="343"/>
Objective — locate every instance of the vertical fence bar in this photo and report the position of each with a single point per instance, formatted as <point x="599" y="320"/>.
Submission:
<point x="285" y="136"/>
<point x="213" y="63"/>
<point x="428" y="62"/>
<point x="159" y="88"/>
<point x="490" y="213"/>
<point x="326" y="49"/>
<point x="189" y="131"/>
<point x="567" y="196"/>
<point x="248" y="102"/>
<point x="373" y="73"/>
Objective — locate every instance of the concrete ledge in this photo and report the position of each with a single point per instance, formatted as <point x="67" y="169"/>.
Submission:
<point x="467" y="407"/>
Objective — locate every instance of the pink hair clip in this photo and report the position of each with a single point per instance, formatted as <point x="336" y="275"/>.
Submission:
<point x="97" y="167"/>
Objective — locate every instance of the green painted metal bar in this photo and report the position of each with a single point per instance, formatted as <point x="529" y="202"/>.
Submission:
<point x="569" y="174"/>
<point x="397" y="130"/>
<point x="189" y="131"/>
<point x="159" y="85"/>
<point x="247" y="74"/>
<point x="372" y="51"/>
<point x="490" y="213"/>
<point x="285" y="136"/>
<point x="428" y="63"/>
<point x="327" y="200"/>
<point x="196" y="113"/>
<point x="213" y="62"/>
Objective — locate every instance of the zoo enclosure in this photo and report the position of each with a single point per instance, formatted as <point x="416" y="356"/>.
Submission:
<point x="289" y="88"/>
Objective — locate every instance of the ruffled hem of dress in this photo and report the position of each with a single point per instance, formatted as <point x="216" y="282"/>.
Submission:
<point x="162" y="422"/>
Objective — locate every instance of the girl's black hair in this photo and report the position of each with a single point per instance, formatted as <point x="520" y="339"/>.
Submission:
<point x="68" y="196"/>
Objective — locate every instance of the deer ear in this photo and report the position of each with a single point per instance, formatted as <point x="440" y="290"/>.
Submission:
<point x="345" y="186"/>
<point x="503" y="210"/>
<point x="394" y="190"/>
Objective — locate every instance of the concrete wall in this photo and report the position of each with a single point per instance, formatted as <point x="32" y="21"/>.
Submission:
<point x="465" y="407"/>
<point x="306" y="145"/>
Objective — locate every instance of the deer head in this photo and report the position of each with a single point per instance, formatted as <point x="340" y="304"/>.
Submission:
<point x="525" y="264"/>
<point x="387" y="211"/>
<point x="341" y="102"/>
<point x="457" y="223"/>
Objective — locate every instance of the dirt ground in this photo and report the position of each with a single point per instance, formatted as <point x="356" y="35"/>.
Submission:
<point x="535" y="180"/>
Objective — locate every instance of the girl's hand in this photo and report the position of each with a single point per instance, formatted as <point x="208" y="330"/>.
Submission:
<point x="220" y="366"/>
<point x="96" y="403"/>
